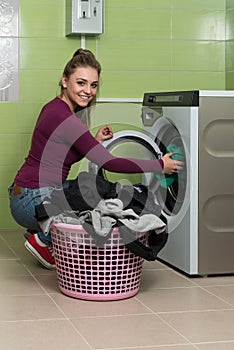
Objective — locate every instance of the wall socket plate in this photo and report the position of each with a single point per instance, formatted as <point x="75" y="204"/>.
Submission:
<point x="84" y="17"/>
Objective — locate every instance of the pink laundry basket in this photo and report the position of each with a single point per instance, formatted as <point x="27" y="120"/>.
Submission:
<point x="85" y="271"/>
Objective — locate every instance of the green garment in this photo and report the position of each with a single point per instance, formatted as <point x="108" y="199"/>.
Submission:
<point x="177" y="154"/>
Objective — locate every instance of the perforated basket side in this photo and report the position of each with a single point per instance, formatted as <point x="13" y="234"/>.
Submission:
<point x="88" y="272"/>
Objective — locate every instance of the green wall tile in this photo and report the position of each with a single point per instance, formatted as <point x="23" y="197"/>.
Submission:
<point x="42" y="19"/>
<point x="133" y="83"/>
<point x="92" y="44"/>
<point x="198" y="81"/>
<point x="142" y="23"/>
<point x="186" y="55"/>
<point x="138" y="3"/>
<point x="9" y="117"/>
<point x="25" y="142"/>
<point x="28" y="116"/>
<point x="75" y="170"/>
<point x="199" y="4"/>
<point x="6" y="220"/>
<point x="42" y="2"/>
<point x="39" y="85"/>
<point x="229" y="4"/>
<point x="198" y="24"/>
<point x="230" y="24"/>
<point x="9" y="145"/>
<point x="155" y="45"/>
<point x="230" y="56"/>
<point x="7" y="175"/>
<point x="135" y="54"/>
<point x="229" y="45"/>
<point x="53" y="56"/>
<point x="230" y="81"/>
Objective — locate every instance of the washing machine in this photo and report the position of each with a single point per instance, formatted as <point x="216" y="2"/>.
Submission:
<point x="198" y="128"/>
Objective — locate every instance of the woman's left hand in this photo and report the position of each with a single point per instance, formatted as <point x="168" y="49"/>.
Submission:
<point x="104" y="133"/>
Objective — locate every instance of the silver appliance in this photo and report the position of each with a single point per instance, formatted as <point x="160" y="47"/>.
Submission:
<point x="198" y="202"/>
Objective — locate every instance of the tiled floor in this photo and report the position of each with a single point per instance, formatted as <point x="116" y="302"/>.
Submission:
<point x="170" y="312"/>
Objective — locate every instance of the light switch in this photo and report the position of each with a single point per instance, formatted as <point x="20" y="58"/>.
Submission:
<point x="84" y="17"/>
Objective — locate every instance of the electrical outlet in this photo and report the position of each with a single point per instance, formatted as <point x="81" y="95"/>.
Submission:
<point x="84" y="17"/>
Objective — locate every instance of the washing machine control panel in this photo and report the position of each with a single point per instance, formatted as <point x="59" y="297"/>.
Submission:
<point x="172" y="99"/>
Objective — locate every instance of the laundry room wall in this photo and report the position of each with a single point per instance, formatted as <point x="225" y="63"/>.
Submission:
<point x="230" y="45"/>
<point x="151" y="45"/>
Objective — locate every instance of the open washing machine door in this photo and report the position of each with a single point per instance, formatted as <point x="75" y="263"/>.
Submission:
<point x="170" y="190"/>
<point x="130" y="144"/>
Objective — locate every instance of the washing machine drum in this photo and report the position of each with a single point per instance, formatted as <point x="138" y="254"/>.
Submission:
<point x="131" y="144"/>
<point x="135" y="144"/>
<point x="171" y="189"/>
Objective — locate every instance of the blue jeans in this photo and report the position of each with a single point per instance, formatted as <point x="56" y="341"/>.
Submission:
<point x="22" y="207"/>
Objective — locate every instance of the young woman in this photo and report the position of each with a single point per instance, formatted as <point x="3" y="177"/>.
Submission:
<point x="60" y="139"/>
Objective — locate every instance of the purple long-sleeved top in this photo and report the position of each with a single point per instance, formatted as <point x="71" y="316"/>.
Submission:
<point x="59" y="140"/>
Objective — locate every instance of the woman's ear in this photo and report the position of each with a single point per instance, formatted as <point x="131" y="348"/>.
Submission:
<point x="64" y="82"/>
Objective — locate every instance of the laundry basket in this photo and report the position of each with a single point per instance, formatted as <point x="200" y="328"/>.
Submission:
<point x="85" y="271"/>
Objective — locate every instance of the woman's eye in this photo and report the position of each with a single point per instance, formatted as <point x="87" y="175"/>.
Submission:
<point x="94" y="85"/>
<point x="81" y="83"/>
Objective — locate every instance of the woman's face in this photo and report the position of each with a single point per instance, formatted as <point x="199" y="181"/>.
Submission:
<point x="81" y="87"/>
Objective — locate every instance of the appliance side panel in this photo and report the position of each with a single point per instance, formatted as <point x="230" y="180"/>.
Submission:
<point x="216" y="186"/>
<point x="193" y="177"/>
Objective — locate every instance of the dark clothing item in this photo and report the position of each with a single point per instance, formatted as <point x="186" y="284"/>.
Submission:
<point x="85" y="192"/>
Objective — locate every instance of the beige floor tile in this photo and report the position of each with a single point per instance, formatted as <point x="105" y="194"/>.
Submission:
<point x="38" y="335"/>
<point x="13" y="238"/>
<point x="12" y="268"/>
<point x="127" y="331"/>
<point x="16" y="242"/>
<point x="171" y="310"/>
<point x="48" y="281"/>
<point x="30" y="263"/>
<point x="5" y="251"/>
<point x="181" y="299"/>
<point x="81" y="308"/>
<point x="154" y="265"/>
<point x="19" y="285"/>
<point x="217" y="346"/>
<point x="33" y="266"/>
<point x="203" y="326"/>
<point x="31" y="307"/>
<point x="224" y="292"/>
<point x="163" y="347"/>
<point x="214" y="281"/>
<point x="163" y="279"/>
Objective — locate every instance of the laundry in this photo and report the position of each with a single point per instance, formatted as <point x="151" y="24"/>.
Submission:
<point x="132" y="209"/>
<point x="177" y="154"/>
<point x="88" y="190"/>
<point x="156" y="238"/>
<point x="85" y="192"/>
<point x="105" y="216"/>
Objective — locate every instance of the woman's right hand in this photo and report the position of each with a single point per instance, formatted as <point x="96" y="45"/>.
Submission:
<point x="171" y="165"/>
<point x="104" y="133"/>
